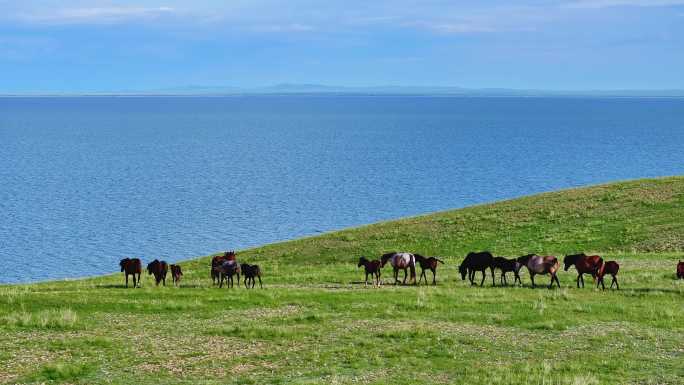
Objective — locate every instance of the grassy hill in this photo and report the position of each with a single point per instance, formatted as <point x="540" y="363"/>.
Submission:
<point x="315" y="323"/>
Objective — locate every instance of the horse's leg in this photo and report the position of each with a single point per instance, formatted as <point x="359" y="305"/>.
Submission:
<point x="493" y="279"/>
<point x="484" y="275"/>
<point x="396" y="276"/>
<point x="434" y="277"/>
<point x="261" y="286"/>
<point x="471" y="276"/>
<point x="126" y="279"/>
<point x="405" y="275"/>
<point x="555" y="276"/>
<point x="616" y="283"/>
<point x="582" y="277"/>
<point x="532" y="279"/>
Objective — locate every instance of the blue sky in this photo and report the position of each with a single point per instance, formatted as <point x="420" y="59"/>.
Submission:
<point x="96" y="45"/>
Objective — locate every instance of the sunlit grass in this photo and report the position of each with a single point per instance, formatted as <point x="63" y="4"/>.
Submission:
<point x="314" y="322"/>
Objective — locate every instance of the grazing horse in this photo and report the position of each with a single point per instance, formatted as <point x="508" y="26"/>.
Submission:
<point x="474" y="262"/>
<point x="371" y="268"/>
<point x="176" y="274"/>
<point x="541" y="265"/>
<point x="585" y="264"/>
<point x="131" y="266"/>
<point x="507" y="265"/>
<point x="216" y="262"/>
<point x="226" y="271"/>
<point x="159" y="269"/>
<point x="403" y="261"/>
<point x="429" y="263"/>
<point x="680" y="270"/>
<point x="250" y="272"/>
<point x="612" y="268"/>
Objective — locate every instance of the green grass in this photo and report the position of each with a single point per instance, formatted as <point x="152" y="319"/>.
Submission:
<point x="315" y="323"/>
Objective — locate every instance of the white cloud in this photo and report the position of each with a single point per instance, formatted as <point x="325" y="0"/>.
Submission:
<point x="99" y="15"/>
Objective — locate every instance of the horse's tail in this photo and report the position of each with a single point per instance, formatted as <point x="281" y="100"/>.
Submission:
<point x="439" y="260"/>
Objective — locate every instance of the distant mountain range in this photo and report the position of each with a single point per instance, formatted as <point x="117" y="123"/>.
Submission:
<point x="319" y="89"/>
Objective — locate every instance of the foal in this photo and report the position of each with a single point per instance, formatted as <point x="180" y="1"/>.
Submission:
<point x="585" y="264"/>
<point x="428" y="263"/>
<point x="612" y="268"/>
<point x="131" y="266"/>
<point x="159" y="269"/>
<point x="371" y="268"/>
<point x="176" y="274"/>
<point x="507" y="265"/>
<point x="251" y="271"/>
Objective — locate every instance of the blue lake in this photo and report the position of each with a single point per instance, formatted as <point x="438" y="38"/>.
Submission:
<point x="86" y="181"/>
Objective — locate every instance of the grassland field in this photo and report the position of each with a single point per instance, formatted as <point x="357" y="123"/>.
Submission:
<point x="316" y="323"/>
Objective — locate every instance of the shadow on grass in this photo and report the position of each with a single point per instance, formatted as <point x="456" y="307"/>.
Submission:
<point x="113" y="286"/>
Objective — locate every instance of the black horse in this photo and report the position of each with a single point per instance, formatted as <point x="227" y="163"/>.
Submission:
<point x="250" y="272"/>
<point x="475" y="262"/>
<point x="508" y="265"/>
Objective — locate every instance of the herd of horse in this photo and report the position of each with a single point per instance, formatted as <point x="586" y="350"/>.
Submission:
<point x="482" y="261"/>
<point x="225" y="267"/>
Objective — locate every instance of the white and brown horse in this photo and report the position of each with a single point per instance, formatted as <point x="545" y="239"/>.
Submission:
<point x="541" y="265"/>
<point x="401" y="261"/>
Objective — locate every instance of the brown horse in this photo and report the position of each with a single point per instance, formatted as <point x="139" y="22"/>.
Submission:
<point x="400" y="261"/>
<point x="612" y="268"/>
<point x="371" y="268"/>
<point x="680" y="270"/>
<point x="541" y="265"/>
<point x="159" y="269"/>
<point x="428" y="263"/>
<point x="250" y="272"/>
<point x="176" y="274"/>
<point x="131" y="266"/>
<point x="585" y="264"/>
<point x="216" y="262"/>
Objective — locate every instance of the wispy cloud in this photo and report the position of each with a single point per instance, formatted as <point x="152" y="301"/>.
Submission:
<point x="292" y="27"/>
<point x="622" y="3"/>
<point x="98" y="15"/>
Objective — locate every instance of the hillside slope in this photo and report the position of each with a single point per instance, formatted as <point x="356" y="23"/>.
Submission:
<point x="315" y="323"/>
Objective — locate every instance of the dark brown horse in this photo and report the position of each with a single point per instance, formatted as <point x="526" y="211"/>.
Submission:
<point x="428" y="263"/>
<point x="371" y="268"/>
<point x="680" y="270"/>
<point x="131" y="266"/>
<point x="159" y="269"/>
<point x="226" y="271"/>
<point x="474" y="262"/>
<point x="612" y="268"/>
<point x="508" y="265"/>
<point x="176" y="274"/>
<point x="251" y="272"/>
<point x="216" y="262"/>
<point x="541" y="265"/>
<point x="585" y="264"/>
<point x="400" y="261"/>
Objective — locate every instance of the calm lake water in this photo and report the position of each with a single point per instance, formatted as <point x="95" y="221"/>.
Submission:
<point x="86" y="181"/>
